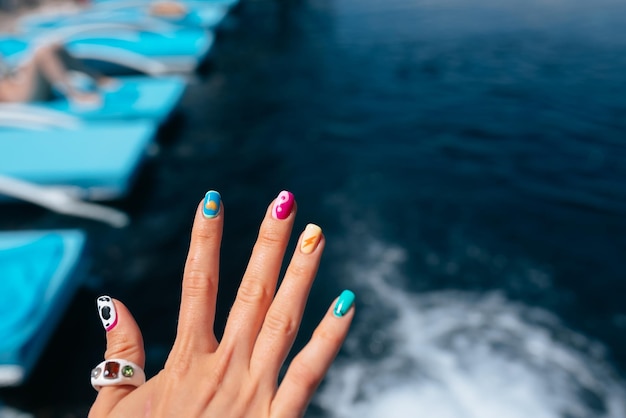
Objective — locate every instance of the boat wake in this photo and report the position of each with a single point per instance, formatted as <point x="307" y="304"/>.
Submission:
<point x="459" y="354"/>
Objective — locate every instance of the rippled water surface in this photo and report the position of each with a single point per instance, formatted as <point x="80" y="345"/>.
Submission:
<point x="467" y="163"/>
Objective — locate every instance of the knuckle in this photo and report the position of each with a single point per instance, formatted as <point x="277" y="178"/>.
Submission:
<point x="328" y="336"/>
<point x="178" y="364"/>
<point x="306" y="375"/>
<point x="253" y="292"/>
<point x="125" y="347"/>
<point x="300" y="269"/>
<point x="198" y="282"/>
<point x="279" y="324"/>
<point x="204" y="232"/>
<point x="270" y="237"/>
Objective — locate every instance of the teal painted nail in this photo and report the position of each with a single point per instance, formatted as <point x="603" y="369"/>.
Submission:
<point x="211" y="206"/>
<point x="344" y="303"/>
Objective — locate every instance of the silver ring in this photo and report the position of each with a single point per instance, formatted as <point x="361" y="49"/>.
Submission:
<point x="117" y="372"/>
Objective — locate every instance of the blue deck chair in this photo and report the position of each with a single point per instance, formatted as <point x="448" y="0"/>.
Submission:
<point x="40" y="272"/>
<point x="61" y="167"/>
<point x="203" y="14"/>
<point x="130" y="97"/>
<point x="188" y="3"/>
<point x="151" y="48"/>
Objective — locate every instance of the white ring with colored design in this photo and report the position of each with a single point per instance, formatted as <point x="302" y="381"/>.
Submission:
<point x="117" y="372"/>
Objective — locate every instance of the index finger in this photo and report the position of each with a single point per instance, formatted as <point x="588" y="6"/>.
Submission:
<point x="201" y="277"/>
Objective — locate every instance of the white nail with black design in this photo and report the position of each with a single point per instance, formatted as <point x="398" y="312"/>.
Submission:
<point x="107" y="313"/>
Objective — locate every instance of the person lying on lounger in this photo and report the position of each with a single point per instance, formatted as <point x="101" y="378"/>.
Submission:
<point x="159" y="8"/>
<point x="49" y="69"/>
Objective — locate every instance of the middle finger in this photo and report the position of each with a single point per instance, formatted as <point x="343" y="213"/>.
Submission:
<point x="259" y="281"/>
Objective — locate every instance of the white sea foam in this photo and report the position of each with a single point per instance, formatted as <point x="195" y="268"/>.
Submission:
<point x="6" y="412"/>
<point x="454" y="354"/>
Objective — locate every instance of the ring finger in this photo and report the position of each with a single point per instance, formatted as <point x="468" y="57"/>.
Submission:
<point x="285" y="314"/>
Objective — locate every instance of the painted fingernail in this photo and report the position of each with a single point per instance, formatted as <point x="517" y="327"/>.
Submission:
<point x="344" y="303"/>
<point x="310" y="238"/>
<point x="283" y="205"/>
<point x="107" y="312"/>
<point x="211" y="206"/>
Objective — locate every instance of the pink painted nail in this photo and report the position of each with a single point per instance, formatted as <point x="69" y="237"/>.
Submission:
<point x="107" y="312"/>
<point x="283" y="205"/>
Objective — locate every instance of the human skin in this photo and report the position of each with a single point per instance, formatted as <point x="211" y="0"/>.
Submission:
<point x="239" y="375"/>
<point x="45" y="61"/>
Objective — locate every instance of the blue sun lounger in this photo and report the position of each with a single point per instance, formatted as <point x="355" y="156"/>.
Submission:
<point x="152" y="98"/>
<point x="177" y="51"/>
<point x="153" y="49"/>
<point x="130" y="97"/>
<point x="94" y="161"/>
<point x="40" y="272"/>
<point x="188" y="3"/>
<point x="61" y="163"/>
<point x="203" y="14"/>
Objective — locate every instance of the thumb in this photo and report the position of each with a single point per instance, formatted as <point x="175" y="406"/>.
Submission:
<point x="124" y="341"/>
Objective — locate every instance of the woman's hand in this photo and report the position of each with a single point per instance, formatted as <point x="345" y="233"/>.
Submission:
<point x="237" y="376"/>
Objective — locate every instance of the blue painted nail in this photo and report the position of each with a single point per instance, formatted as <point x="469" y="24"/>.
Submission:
<point x="211" y="206"/>
<point x="344" y="303"/>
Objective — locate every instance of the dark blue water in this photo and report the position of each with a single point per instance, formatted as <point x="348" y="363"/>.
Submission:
<point x="466" y="161"/>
